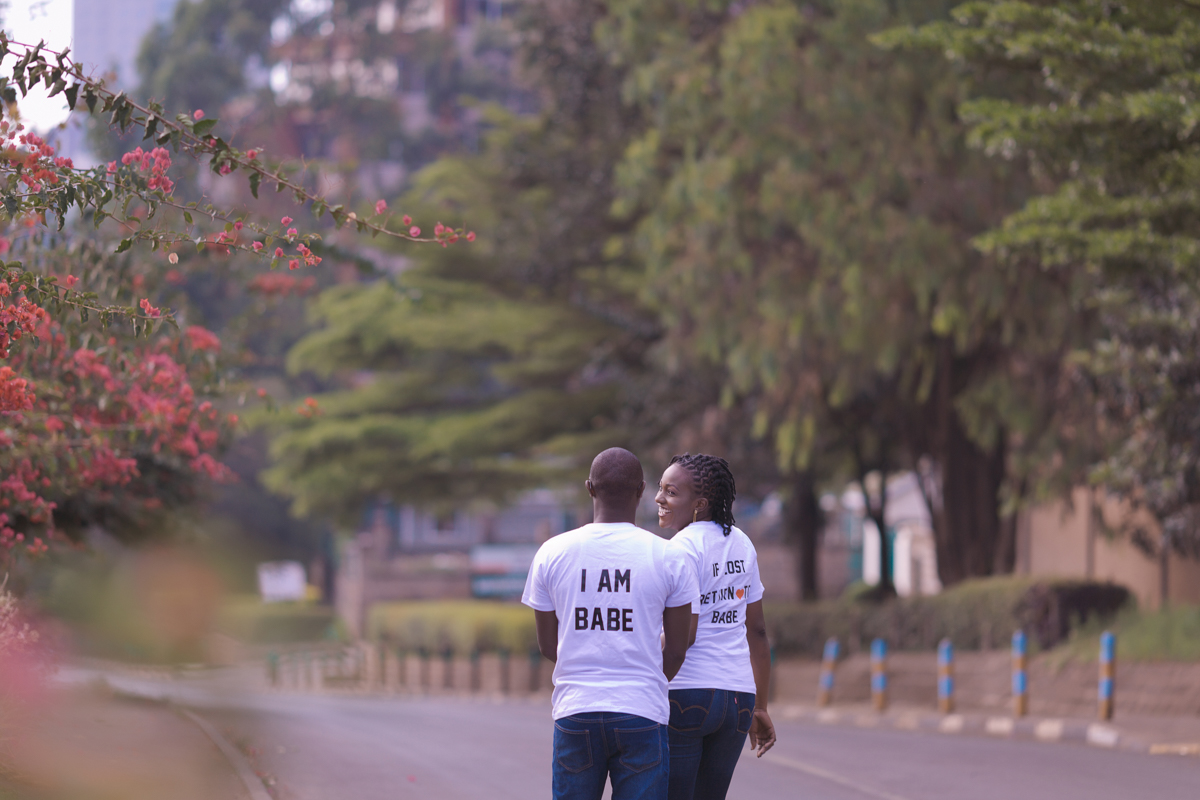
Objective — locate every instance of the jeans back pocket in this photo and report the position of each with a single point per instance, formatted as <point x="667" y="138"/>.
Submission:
<point x="640" y="748"/>
<point x="572" y="749"/>
<point x="690" y="708"/>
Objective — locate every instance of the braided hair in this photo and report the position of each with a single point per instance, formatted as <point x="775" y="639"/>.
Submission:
<point x="714" y="482"/>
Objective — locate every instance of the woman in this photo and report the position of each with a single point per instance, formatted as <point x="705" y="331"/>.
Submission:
<point x="720" y="693"/>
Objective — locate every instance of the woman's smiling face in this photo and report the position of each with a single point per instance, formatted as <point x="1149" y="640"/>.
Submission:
<point x="678" y="502"/>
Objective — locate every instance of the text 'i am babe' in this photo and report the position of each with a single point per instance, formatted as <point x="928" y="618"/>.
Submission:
<point x="604" y="618"/>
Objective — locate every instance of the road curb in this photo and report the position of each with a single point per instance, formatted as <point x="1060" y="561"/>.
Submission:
<point x="241" y="766"/>
<point x="1035" y="729"/>
<point x="239" y="763"/>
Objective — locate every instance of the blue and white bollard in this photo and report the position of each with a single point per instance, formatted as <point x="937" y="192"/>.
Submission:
<point x="945" y="683"/>
<point x="828" y="664"/>
<point x="1108" y="674"/>
<point x="879" y="674"/>
<point x="1020" y="674"/>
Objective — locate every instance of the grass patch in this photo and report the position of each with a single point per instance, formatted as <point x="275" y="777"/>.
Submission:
<point x="1170" y="634"/>
<point x="248" y="619"/>
<point x="460" y="626"/>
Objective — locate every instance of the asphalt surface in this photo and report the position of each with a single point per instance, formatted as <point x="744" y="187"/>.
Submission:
<point x="324" y="747"/>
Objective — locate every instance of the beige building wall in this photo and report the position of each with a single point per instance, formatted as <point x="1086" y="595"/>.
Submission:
<point x="1062" y="539"/>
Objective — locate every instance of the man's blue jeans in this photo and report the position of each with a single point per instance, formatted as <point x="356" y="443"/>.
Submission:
<point x="590" y="747"/>
<point x="708" y="731"/>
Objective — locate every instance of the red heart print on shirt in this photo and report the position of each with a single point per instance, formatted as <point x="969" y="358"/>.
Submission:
<point x="740" y="592"/>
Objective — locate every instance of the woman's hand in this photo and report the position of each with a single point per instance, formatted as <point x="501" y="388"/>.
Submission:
<point x="762" y="732"/>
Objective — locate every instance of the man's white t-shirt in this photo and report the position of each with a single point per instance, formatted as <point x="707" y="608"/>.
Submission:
<point x="727" y="571"/>
<point x="609" y="583"/>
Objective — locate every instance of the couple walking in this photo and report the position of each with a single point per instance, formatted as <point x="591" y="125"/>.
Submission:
<point x="617" y="608"/>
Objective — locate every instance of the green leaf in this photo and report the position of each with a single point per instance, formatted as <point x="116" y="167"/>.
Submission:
<point x="204" y="126"/>
<point x="255" y="179"/>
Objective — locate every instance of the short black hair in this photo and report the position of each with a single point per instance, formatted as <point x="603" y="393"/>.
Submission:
<point x="616" y="475"/>
<point x="714" y="482"/>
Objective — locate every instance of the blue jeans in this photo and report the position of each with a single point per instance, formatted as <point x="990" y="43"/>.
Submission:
<point x="708" y="731"/>
<point x="590" y="747"/>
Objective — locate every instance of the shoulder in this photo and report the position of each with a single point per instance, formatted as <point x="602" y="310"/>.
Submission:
<point x="689" y="540"/>
<point x="558" y="545"/>
<point x="743" y="540"/>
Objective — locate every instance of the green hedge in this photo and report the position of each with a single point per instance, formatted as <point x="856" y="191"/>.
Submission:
<point x="974" y="614"/>
<point x="248" y="619"/>
<point x="461" y="626"/>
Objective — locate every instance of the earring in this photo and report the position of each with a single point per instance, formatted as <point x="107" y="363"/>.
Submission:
<point x="695" y="514"/>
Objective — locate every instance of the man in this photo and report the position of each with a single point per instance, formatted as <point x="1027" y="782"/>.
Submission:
<point x="601" y="594"/>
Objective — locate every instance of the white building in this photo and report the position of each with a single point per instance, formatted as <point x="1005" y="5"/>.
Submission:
<point x="914" y="555"/>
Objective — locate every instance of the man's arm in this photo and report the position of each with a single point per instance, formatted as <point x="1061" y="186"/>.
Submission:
<point x="762" y="730"/>
<point x="547" y="633"/>
<point x="676" y="624"/>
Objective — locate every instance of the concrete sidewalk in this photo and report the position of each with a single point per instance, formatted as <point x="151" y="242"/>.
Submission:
<point x="1144" y="734"/>
<point x="84" y="742"/>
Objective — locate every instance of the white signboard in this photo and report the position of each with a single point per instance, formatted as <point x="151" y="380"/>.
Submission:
<point x="281" y="581"/>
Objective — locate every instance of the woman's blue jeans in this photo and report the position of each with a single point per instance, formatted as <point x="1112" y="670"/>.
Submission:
<point x="590" y="747"/>
<point x="708" y="730"/>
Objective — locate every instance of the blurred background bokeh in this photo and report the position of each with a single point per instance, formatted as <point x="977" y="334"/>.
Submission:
<point x="922" y="272"/>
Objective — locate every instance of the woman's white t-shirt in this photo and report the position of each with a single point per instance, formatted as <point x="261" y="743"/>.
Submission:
<point x="727" y="571"/>
<point x="609" y="583"/>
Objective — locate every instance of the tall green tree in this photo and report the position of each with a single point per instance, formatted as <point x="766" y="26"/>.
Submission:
<point x="496" y="367"/>
<point x="1107" y="121"/>
<point x="806" y="203"/>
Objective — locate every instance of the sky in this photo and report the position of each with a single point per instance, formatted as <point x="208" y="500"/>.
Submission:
<point x="28" y="21"/>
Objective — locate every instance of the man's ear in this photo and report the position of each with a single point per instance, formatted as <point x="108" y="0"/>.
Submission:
<point x="591" y="489"/>
<point x="641" y="489"/>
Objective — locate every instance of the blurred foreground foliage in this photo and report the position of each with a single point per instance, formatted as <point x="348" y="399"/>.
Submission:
<point x="154" y="606"/>
<point x="459" y="626"/>
<point x="975" y="614"/>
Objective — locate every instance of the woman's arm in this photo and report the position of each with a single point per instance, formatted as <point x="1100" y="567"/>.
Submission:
<point x="762" y="730"/>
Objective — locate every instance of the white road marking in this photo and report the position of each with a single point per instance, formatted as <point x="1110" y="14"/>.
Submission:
<point x="832" y="777"/>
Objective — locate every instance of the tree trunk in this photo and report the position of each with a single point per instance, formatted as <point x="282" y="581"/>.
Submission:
<point x="802" y="516"/>
<point x="972" y="540"/>
<point x="1164" y="571"/>
<point x="878" y="514"/>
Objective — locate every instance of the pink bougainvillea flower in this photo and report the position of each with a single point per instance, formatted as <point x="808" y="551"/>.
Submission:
<point x="380" y="206"/>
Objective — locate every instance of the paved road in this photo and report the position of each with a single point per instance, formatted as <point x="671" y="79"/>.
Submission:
<point x="357" y="748"/>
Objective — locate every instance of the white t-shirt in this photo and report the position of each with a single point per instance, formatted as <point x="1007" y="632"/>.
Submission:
<point x="608" y="584"/>
<point x="727" y="570"/>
